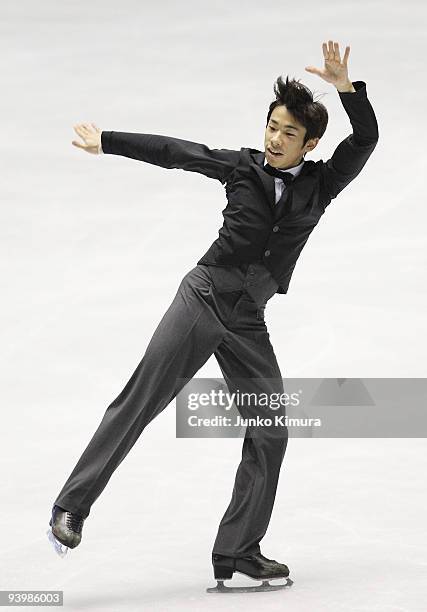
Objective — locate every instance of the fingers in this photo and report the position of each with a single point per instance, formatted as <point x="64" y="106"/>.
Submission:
<point x="328" y="50"/>
<point x="80" y="130"/>
<point x="314" y="70"/>
<point x="325" y="51"/>
<point x="331" y="52"/>
<point x="90" y="136"/>
<point x="337" y="52"/>
<point x="86" y="128"/>
<point x="346" y="54"/>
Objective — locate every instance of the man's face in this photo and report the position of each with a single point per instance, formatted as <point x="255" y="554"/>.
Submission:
<point x="285" y="136"/>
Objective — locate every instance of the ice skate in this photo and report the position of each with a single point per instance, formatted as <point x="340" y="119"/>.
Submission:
<point x="66" y="530"/>
<point x="255" y="566"/>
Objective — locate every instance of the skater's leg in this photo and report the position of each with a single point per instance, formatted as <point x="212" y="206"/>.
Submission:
<point x="248" y="364"/>
<point x="187" y="335"/>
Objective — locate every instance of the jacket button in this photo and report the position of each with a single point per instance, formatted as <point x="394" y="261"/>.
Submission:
<point x="276" y="228"/>
<point x="267" y="253"/>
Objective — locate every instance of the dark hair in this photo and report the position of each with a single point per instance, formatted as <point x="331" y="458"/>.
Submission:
<point x="299" y="101"/>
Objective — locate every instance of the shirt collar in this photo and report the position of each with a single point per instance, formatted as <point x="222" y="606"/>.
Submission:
<point x="295" y="170"/>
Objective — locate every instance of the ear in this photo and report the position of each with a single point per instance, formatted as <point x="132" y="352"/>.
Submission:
<point x="311" y="144"/>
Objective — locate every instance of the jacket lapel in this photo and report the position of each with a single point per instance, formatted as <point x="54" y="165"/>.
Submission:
<point x="266" y="179"/>
<point x="302" y="186"/>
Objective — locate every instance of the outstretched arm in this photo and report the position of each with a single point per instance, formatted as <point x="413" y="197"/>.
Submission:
<point x="354" y="151"/>
<point x="159" y="150"/>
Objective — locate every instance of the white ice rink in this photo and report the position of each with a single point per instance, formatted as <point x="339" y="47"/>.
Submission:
<point x="93" y="251"/>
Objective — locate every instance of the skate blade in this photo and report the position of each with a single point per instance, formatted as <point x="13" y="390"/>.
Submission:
<point x="60" y="548"/>
<point x="265" y="586"/>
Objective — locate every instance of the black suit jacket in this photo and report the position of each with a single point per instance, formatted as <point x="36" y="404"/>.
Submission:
<point x="254" y="228"/>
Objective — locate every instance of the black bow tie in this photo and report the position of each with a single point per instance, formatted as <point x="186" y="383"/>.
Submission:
<point x="287" y="177"/>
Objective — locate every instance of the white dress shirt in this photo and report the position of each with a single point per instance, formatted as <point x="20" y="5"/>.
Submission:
<point x="279" y="184"/>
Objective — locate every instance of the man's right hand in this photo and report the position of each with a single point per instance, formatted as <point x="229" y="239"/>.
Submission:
<point x="91" y="136"/>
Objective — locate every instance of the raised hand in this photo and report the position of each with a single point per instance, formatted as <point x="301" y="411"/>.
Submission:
<point x="335" y="70"/>
<point x="91" y="136"/>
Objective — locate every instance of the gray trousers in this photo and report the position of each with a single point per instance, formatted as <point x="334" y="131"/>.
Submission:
<point x="199" y="322"/>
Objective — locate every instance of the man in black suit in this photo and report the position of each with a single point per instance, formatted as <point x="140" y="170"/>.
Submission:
<point x="275" y="199"/>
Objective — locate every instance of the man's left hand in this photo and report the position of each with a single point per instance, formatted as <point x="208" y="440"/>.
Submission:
<point x="335" y="70"/>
